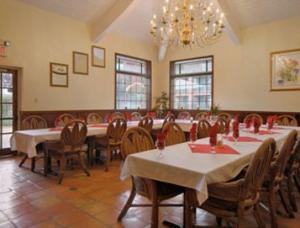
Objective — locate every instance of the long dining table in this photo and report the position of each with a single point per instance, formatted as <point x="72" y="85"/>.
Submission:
<point x="183" y="165"/>
<point x="25" y="141"/>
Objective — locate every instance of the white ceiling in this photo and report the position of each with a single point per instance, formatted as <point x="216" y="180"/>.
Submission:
<point x="254" y="12"/>
<point x="83" y="10"/>
<point x="134" y="21"/>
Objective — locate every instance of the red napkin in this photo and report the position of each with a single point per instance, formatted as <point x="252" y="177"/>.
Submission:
<point x="244" y="139"/>
<point x="236" y="129"/>
<point x="213" y="134"/>
<point x="256" y="124"/>
<point x="271" y="120"/>
<point x="208" y="115"/>
<point x="128" y="116"/>
<point x="193" y="132"/>
<point x="206" y="149"/>
<point x="152" y="114"/>
<point x="161" y="138"/>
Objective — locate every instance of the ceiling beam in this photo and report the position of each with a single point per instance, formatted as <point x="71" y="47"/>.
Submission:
<point x="232" y="26"/>
<point x="99" y="25"/>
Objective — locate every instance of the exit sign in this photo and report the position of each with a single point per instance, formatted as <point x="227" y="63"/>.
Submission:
<point x="2" y="51"/>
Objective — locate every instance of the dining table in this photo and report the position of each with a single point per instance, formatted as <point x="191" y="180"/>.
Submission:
<point x="195" y="165"/>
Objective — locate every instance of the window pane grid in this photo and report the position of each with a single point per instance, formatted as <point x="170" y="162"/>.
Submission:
<point x="192" y="91"/>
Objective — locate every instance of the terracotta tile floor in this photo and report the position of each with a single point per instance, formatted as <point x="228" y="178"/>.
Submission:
<point x="30" y="200"/>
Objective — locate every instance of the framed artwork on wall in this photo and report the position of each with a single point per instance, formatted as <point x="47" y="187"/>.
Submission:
<point x="59" y="74"/>
<point x="98" y="56"/>
<point x="80" y="63"/>
<point x="285" y="70"/>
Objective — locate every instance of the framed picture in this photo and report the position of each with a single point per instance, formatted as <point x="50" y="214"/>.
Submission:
<point x="285" y="70"/>
<point x="98" y="56"/>
<point x="80" y="63"/>
<point x="59" y="75"/>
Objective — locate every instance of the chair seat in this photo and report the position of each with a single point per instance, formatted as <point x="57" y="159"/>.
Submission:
<point x="104" y="142"/>
<point x="58" y="148"/>
<point x="220" y="207"/>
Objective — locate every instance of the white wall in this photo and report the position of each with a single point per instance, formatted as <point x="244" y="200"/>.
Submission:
<point x="39" y="37"/>
<point x="242" y="73"/>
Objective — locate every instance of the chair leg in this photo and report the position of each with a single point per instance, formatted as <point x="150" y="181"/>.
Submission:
<point x="272" y="208"/>
<point x="62" y="168"/>
<point x="108" y="155"/>
<point x="33" y="164"/>
<point x="23" y="160"/>
<point x="128" y="204"/>
<point x="82" y="164"/>
<point x="285" y="204"/>
<point x="291" y="195"/>
<point x="257" y="216"/>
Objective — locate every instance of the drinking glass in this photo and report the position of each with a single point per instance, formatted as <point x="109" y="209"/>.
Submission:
<point x="160" y="144"/>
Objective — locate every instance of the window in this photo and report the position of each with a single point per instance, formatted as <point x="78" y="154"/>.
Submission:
<point x="133" y="83"/>
<point x="191" y="83"/>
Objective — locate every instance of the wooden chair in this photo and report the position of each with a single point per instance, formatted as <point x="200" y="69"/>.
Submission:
<point x="146" y="123"/>
<point x="222" y="125"/>
<point x="136" y="116"/>
<point x="287" y="120"/>
<point x="274" y="180"/>
<point x="203" y="128"/>
<point x="169" y="118"/>
<point x="175" y="135"/>
<point x="30" y="123"/>
<point x="117" y="115"/>
<point x="70" y="145"/>
<point x="253" y="115"/>
<point x="112" y="141"/>
<point x="291" y="174"/>
<point x="63" y="119"/>
<point x="201" y="115"/>
<point x="224" y="115"/>
<point x="94" y="118"/>
<point x="236" y="198"/>
<point x="184" y="116"/>
<point x="136" y="140"/>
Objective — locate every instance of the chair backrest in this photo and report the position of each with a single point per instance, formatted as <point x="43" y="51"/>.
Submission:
<point x="174" y="134"/>
<point x="136" y="140"/>
<point x="63" y="119"/>
<point x="169" y="118"/>
<point x="33" y="122"/>
<point x="184" y="116"/>
<point x="203" y="128"/>
<point x="287" y="120"/>
<point x="294" y="161"/>
<point x="201" y="115"/>
<point x="94" y="118"/>
<point x="279" y="165"/>
<point x="253" y="115"/>
<point x="257" y="170"/>
<point x="222" y="125"/>
<point x="117" y="115"/>
<point x="116" y="129"/>
<point x="74" y="133"/>
<point x="224" y="115"/>
<point x="146" y="123"/>
<point x="136" y="116"/>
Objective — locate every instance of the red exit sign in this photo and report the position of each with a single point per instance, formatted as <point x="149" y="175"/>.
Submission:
<point x="2" y="51"/>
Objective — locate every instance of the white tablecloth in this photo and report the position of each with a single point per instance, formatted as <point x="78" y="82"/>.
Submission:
<point x="178" y="165"/>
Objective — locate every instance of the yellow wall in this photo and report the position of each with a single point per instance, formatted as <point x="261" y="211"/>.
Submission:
<point x="242" y="72"/>
<point x="39" y="37"/>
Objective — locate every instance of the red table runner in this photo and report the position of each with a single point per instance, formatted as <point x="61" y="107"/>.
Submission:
<point x="265" y="132"/>
<point x="207" y="149"/>
<point x="243" y="139"/>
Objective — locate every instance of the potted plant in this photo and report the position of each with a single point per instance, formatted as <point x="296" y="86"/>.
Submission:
<point x="214" y="112"/>
<point x="161" y="104"/>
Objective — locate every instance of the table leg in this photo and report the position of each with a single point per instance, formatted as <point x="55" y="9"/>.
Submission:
<point x="190" y="204"/>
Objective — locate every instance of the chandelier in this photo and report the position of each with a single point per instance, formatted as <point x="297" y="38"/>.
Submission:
<point x="187" y="23"/>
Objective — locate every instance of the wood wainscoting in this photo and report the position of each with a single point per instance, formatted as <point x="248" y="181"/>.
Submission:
<point x="50" y="116"/>
<point x="242" y="114"/>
